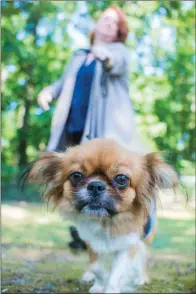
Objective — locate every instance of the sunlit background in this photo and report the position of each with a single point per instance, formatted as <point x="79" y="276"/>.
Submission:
<point x="38" y="37"/>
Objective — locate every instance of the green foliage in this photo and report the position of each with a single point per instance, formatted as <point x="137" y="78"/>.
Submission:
<point x="32" y="58"/>
<point x="33" y="62"/>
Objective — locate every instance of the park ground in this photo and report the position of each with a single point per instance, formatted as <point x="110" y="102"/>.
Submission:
<point x="36" y="257"/>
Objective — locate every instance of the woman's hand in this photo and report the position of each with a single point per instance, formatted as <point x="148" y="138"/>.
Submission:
<point x="101" y="52"/>
<point x="44" y="98"/>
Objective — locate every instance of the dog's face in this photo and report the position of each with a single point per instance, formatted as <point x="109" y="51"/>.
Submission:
<point x="101" y="178"/>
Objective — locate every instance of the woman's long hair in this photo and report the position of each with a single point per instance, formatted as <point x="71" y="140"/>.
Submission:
<point x="122" y="25"/>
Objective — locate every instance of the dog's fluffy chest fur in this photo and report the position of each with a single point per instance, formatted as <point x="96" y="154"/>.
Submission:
<point x="93" y="233"/>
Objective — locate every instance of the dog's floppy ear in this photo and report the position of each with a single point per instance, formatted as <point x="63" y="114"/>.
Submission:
<point x="161" y="174"/>
<point x="46" y="170"/>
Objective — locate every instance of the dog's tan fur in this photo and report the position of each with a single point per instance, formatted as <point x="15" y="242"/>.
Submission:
<point x="103" y="159"/>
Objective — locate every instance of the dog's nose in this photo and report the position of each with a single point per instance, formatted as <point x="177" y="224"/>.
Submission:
<point x="96" y="187"/>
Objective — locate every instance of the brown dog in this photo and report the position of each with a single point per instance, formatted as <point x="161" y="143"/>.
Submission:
<point x="108" y="191"/>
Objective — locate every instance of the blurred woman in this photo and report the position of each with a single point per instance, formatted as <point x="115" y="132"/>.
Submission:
<point x="93" y="92"/>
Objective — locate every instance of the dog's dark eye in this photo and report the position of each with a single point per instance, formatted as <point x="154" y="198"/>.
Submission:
<point x="76" y="177"/>
<point x="121" y="181"/>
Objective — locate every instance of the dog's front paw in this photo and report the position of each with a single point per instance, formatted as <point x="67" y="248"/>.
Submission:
<point x="88" y="277"/>
<point x="96" y="289"/>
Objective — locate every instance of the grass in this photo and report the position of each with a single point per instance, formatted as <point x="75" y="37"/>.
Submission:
<point x="36" y="257"/>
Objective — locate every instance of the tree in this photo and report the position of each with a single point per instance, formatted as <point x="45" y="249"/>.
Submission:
<point x="33" y="60"/>
<point x="36" y="47"/>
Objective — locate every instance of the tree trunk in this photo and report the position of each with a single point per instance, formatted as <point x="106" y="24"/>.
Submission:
<point x="23" y="131"/>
